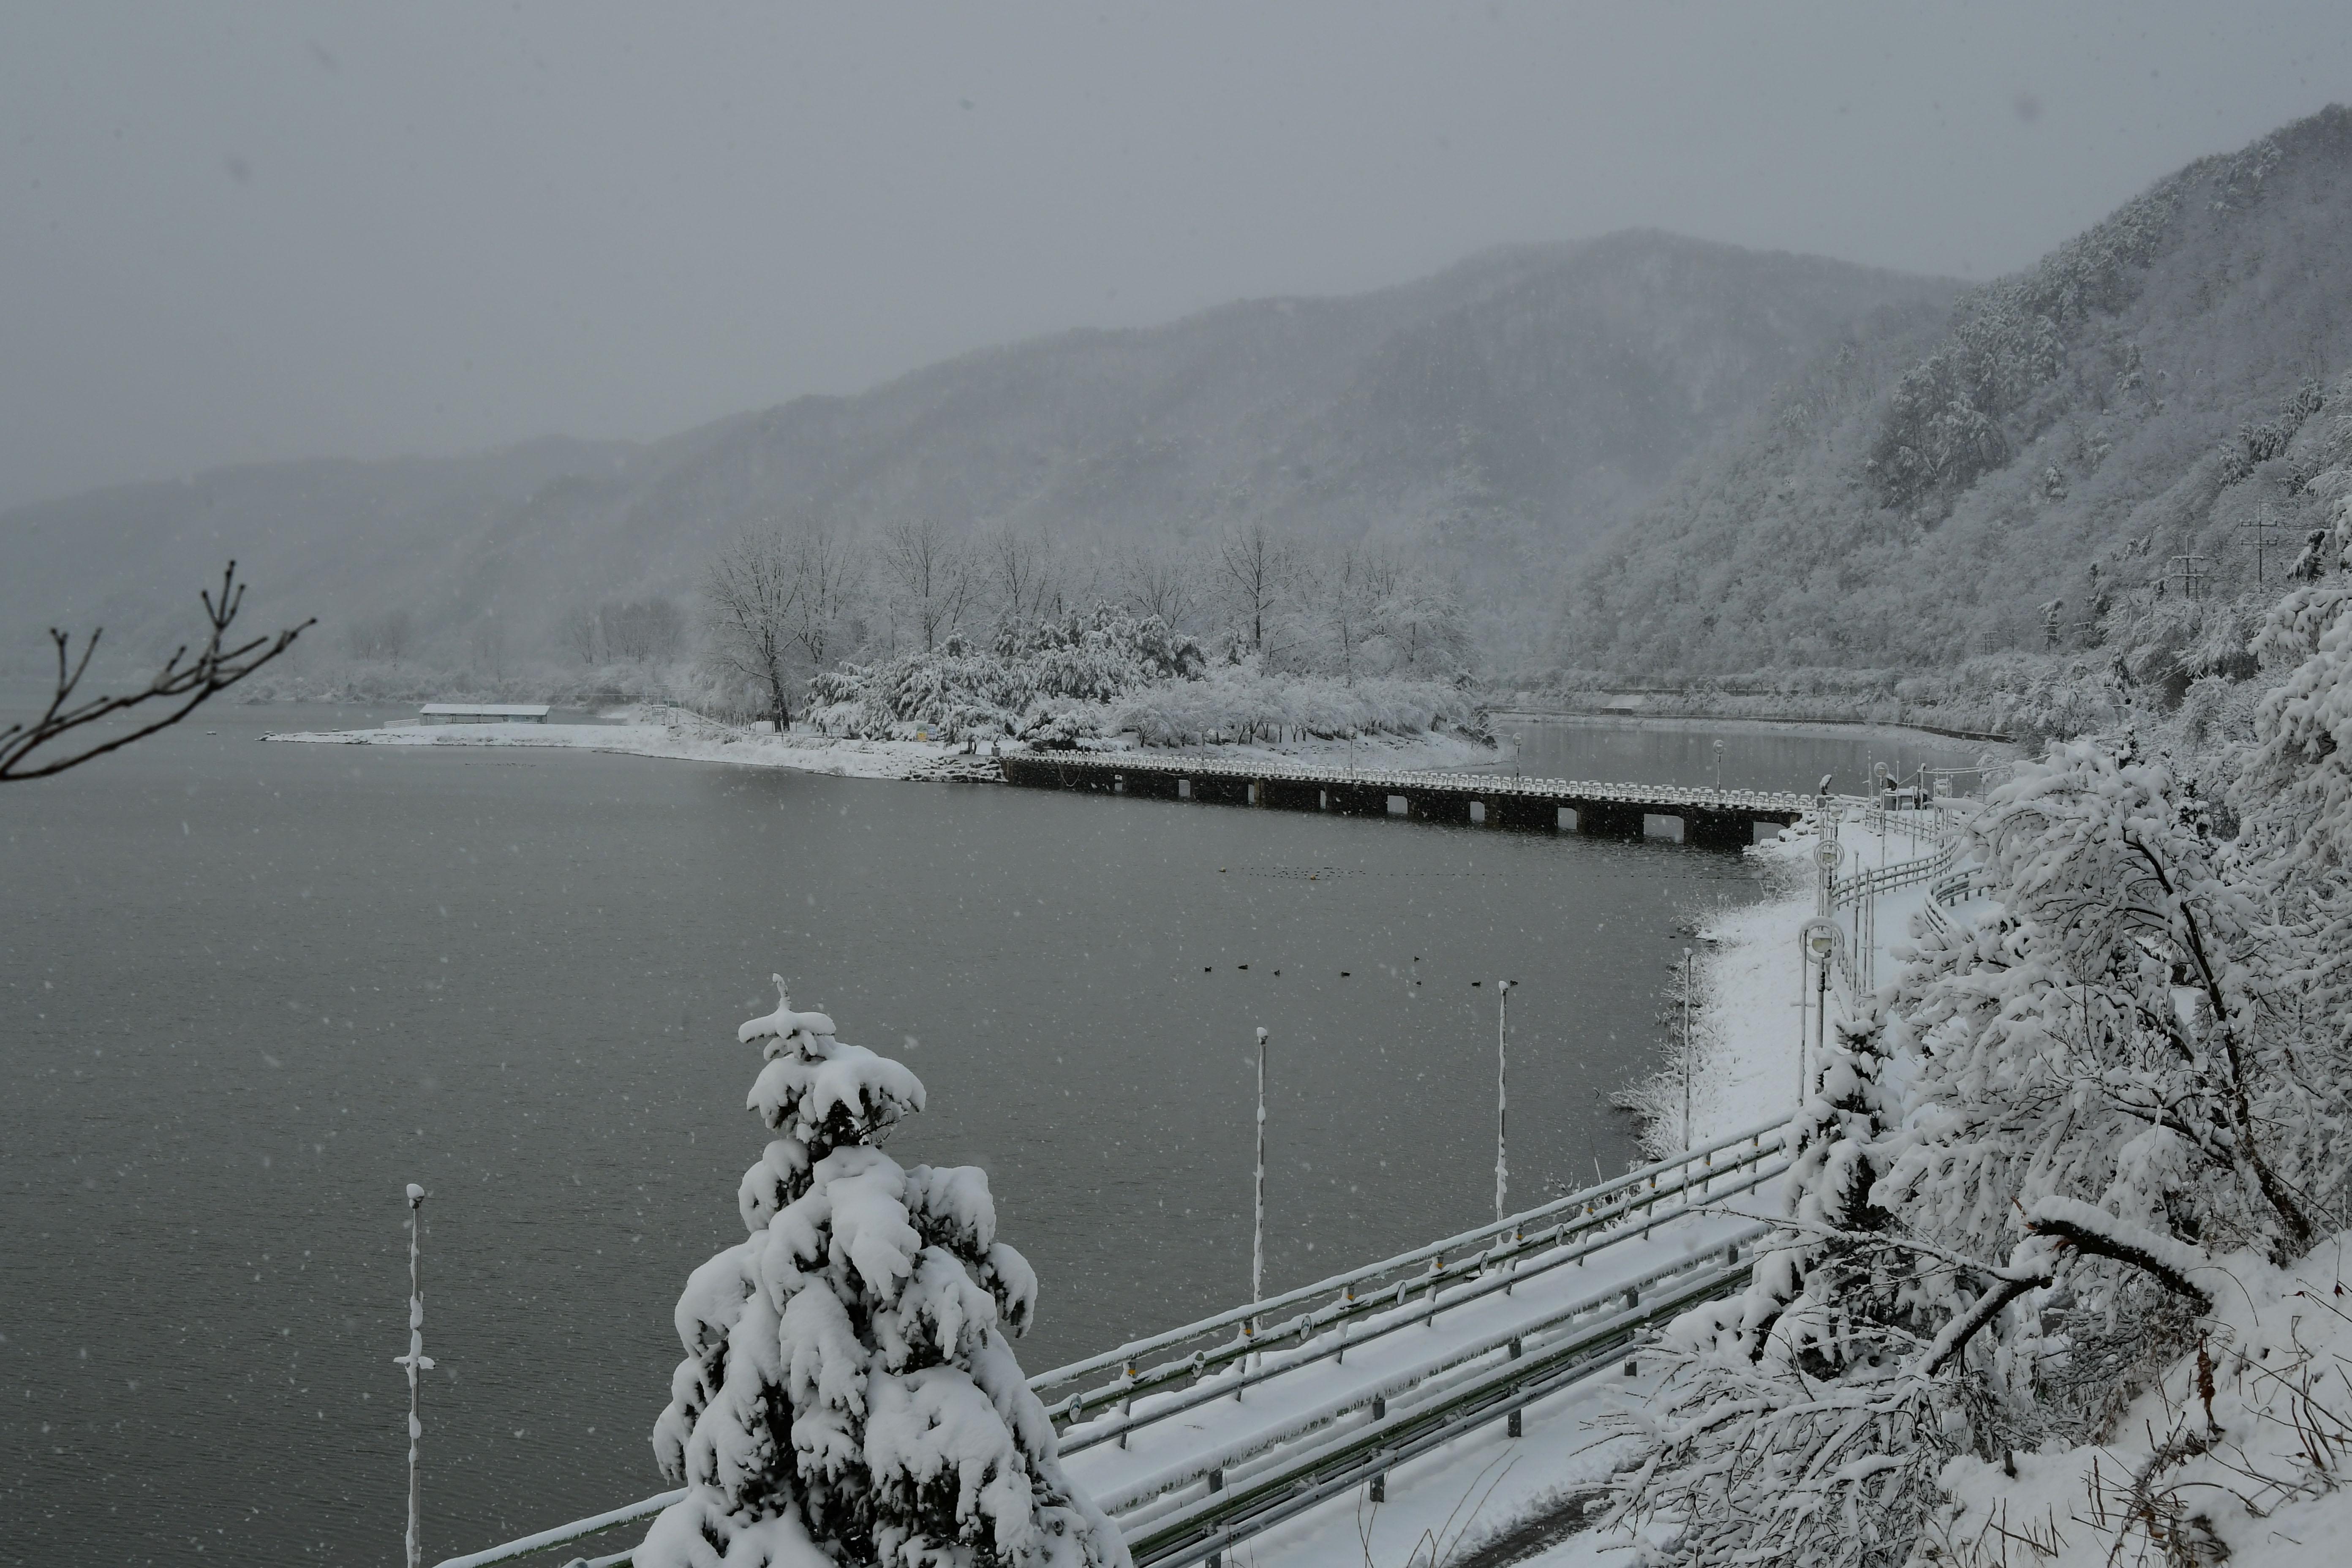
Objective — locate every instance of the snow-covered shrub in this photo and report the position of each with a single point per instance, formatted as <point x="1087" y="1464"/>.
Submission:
<point x="960" y="688"/>
<point x="1244" y="699"/>
<point x="847" y="1396"/>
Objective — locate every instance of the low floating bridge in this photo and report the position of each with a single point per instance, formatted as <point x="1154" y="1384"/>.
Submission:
<point x="1711" y="817"/>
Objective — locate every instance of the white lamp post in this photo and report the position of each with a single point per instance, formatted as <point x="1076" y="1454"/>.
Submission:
<point x="1257" y="1223"/>
<point x="1502" y="1101"/>
<point x="416" y="1361"/>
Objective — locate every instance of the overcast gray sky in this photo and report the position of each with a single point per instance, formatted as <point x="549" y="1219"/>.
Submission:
<point x="241" y="231"/>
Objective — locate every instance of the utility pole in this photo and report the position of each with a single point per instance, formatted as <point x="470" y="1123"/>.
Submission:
<point x="1502" y="1101"/>
<point x="416" y="1361"/>
<point x="2262" y="525"/>
<point x="2190" y="570"/>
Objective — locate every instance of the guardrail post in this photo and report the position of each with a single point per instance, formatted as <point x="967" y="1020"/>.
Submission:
<point x="1126" y="1405"/>
<point x="1216" y="1483"/>
<point x="1511" y="1423"/>
<point x="1436" y="1266"/>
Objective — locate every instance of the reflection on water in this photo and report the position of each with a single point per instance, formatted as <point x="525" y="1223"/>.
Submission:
<point x="253" y="990"/>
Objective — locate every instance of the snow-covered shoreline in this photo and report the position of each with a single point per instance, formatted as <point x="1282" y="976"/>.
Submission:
<point x="902" y="760"/>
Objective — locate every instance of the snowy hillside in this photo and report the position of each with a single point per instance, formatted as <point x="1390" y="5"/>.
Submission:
<point x="2148" y="390"/>
<point x="1503" y="413"/>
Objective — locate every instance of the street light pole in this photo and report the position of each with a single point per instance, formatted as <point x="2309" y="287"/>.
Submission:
<point x="1502" y="1101"/>
<point x="1686" y="1049"/>
<point x="1257" y="1223"/>
<point x="416" y="1361"/>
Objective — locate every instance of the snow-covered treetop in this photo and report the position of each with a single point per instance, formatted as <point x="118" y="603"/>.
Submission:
<point x="820" y="1093"/>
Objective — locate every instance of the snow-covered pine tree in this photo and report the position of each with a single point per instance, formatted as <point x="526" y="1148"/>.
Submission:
<point x="848" y="1396"/>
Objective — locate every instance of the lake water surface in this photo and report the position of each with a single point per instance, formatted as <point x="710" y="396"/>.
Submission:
<point x="250" y="991"/>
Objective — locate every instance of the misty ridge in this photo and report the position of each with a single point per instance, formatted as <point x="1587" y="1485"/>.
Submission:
<point x="1485" y="424"/>
<point x="1640" y="461"/>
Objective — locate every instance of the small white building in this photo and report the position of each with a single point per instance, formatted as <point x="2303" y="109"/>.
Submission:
<point x="484" y="712"/>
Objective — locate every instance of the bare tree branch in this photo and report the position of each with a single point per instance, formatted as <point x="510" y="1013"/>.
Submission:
<point x="182" y="688"/>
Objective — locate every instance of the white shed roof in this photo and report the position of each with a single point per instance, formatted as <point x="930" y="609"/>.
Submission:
<point x="485" y="710"/>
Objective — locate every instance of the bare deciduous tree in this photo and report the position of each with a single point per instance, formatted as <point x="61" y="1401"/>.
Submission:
<point x="1255" y="571"/>
<point x="639" y="629"/>
<point x="578" y="633"/>
<point x="826" y="570"/>
<point x="749" y="599"/>
<point x="1022" y="577"/>
<point x="929" y="575"/>
<point x="1166" y="582"/>
<point x="180" y="688"/>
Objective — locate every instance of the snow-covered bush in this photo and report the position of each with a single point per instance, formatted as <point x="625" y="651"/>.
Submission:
<point x="847" y="1396"/>
<point x="960" y="688"/>
<point x="1245" y="699"/>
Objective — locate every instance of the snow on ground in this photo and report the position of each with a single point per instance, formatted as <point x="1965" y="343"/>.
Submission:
<point x="2261" y="1471"/>
<point x="705" y="743"/>
<point x="1496" y="1500"/>
<point x="810" y="753"/>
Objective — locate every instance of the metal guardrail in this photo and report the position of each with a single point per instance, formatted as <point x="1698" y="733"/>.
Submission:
<point x="1222" y="1518"/>
<point x="1381" y="1286"/>
<point x="1282" y="1467"/>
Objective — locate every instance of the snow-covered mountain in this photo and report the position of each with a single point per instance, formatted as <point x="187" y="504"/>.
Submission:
<point x="1507" y="411"/>
<point x="1925" y="490"/>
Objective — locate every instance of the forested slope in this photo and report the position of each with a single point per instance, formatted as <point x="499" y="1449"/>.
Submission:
<point x="1922" y="494"/>
<point x="1496" y="417"/>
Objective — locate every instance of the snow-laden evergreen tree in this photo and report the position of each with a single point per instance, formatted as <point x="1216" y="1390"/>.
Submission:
<point x="847" y="1396"/>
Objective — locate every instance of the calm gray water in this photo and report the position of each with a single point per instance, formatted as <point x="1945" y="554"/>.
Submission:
<point x="1754" y="756"/>
<point x="251" y="990"/>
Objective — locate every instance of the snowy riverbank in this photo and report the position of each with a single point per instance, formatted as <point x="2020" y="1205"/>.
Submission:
<point x="929" y="761"/>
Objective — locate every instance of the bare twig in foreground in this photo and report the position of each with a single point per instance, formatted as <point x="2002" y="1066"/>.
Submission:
<point x="180" y="685"/>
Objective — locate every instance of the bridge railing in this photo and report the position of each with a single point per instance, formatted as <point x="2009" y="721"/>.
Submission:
<point x="1424" y="778"/>
<point x="1439" y="1277"/>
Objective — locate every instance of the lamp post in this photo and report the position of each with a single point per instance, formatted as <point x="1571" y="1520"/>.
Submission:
<point x="1719" y="767"/>
<point x="1257" y="1221"/>
<point x="416" y="1361"/>
<point x="1502" y="1100"/>
<point x="1518" y="740"/>
<point x="1687" y="1046"/>
<point x="1817" y="944"/>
